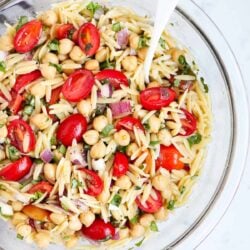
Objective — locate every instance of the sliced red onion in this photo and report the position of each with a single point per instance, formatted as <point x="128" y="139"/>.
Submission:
<point x="116" y="236"/>
<point x="164" y="93"/>
<point x="28" y="56"/>
<point x="46" y="155"/>
<point x="132" y="52"/>
<point x="120" y="109"/>
<point x="3" y="55"/>
<point x="77" y="157"/>
<point x="105" y="91"/>
<point x="122" y="38"/>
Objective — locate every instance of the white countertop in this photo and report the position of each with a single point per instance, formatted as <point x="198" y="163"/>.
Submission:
<point x="233" y="19"/>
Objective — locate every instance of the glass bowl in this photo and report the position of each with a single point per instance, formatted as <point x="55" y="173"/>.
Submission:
<point x="189" y="225"/>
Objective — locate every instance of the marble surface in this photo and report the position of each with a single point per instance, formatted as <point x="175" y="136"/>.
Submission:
<point x="232" y="17"/>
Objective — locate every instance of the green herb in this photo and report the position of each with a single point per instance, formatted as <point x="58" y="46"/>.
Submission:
<point x="162" y="43"/>
<point x="143" y="42"/>
<point x="30" y="100"/>
<point x="194" y="139"/>
<point x="153" y="227"/>
<point x="13" y="153"/>
<point x="86" y="147"/>
<point x="106" y="239"/>
<point x="153" y="143"/>
<point x="105" y="132"/>
<point x="185" y="68"/>
<point x="177" y="83"/>
<point x="37" y="195"/>
<point x="138" y="244"/>
<point x="182" y="189"/>
<point x="137" y="188"/>
<point x="19" y="236"/>
<point x="116" y="27"/>
<point x="146" y="126"/>
<point x="171" y="205"/>
<point x="53" y="140"/>
<point x="28" y="110"/>
<point x="21" y="21"/>
<point x="122" y="149"/>
<point x="93" y="7"/>
<point x="107" y="65"/>
<point x="135" y="219"/>
<point x="75" y="183"/>
<point x="116" y="201"/>
<point x="57" y="66"/>
<point x="2" y="66"/>
<point x="62" y="149"/>
<point x="205" y="86"/>
<point x="54" y="45"/>
<point x="38" y="161"/>
<point x="182" y="60"/>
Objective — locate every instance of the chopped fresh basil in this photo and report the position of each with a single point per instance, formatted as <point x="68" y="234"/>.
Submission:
<point x="37" y="195"/>
<point x="116" y="27"/>
<point x="182" y="60"/>
<point x="14" y="154"/>
<point x="153" y="227"/>
<point x="137" y="188"/>
<point x="182" y="189"/>
<point x="2" y="66"/>
<point x="75" y="183"/>
<point x="93" y="7"/>
<point x="28" y="110"/>
<point x="53" y="140"/>
<point x="138" y="244"/>
<point x="54" y="45"/>
<point x="185" y="67"/>
<point x="105" y="132"/>
<point x="171" y="205"/>
<point x="21" y="21"/>
<point x="62" y="149"/>
<point x="38" y="161"/>
<point x="153" y="143"/>
<point x="162" y="43"/>
<point x="30" y="100"/>
<point x="146" y="126"/>
<point x="135" y="219"/>
<point x="143" y="42"/>
<point x="205" y="86"/>
<point x="177" y="83"/>
<point x="194" y="139"/>
<point x="122" y="149"/>
<point x="57" y="66"/>
<point x="116" y="201"/>
<point x="19" y="236"/>
<point x="107" y="65"/>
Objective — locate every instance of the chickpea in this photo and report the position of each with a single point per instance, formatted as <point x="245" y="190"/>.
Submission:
<point x="154" y="124"/>
<point x="77" y="54"/>
<point x="146" y="220"/>
<point x="38" y="90"/>
<point x="161" y="214"/>
<point x="47" y="71"/>
<point x="123" y="182"/>
<point x="104" y="196"/>
<point x="137" y="231"/>
<point x="75" y="224"/>
<point x="71" y="242"/>
<point x="101" y="55"/>
<point x="91" y="137"/>
<point x="2" y="155"/>
<point x="50" y="172"/>
<point x="96" y="210"/>
<point x="153" y="84"/>
<point x="129" y="63"/>
<point x="68" y="71"/>
<point x="3" y="132"/>
<point x="42" y="239"/>
<point x="50" y="58"/>
<point x="98" y="150"/>
<point x="49" y="18"/>
<point x="84" y="107"/>
<point x="87" y="218"/>
<point x="18" y="218"/>
<point x="160" y="182"/>
<point x="17" y="206"/>
<point x="6" y="43"/>
<point x="122" y="137"/>
<point x="65" y="46"/>
<point x="62" y="57"/>
<point x="134" y="40"/>
<point x="100" y="122"/>
<point x="131" y="149"/>
<point x="164" y="137"/>
<point x="142" y="53"/>
<point x="41" y="121"/>
<point x="123" y="233"/>
<point x="92" y="65"/>
<point x="176" y="53"/>
<point x="24" y="230"/>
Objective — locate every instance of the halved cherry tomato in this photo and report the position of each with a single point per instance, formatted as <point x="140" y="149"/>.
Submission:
<point x="99" y="230"/>
<point x="36" y="213"/>
<point x="120" y="166"/>
<point x="189" y="124"/>
<point x="16" y="102"/>
<point x="78" y="85"/>
<point x="114" y="77"/>
<point x="27" y="37"/>
<point x="128" y="123"/>
<point x="89" y="38"/>
<point x="65" y="31"/>
<point x="169" y="158"/>
<point x="21" y="135"/>
<point x="43" y="187"/>
<point x="94" y="182"/>
<point x="73" y="127"/>
<point x="156" y="98"/>
<point x="152" y="204"/>
<point x="23" y="80"/>
<point x="16" y="170"/>
<point x="55" y="95"/>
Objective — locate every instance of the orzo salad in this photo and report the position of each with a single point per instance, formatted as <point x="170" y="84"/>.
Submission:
<point x="88" y="149"/>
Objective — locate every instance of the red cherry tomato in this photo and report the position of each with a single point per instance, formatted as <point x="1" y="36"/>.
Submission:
<point x="78" y="85"/>
<point x="55" y="95"/>
<point x="156" y="98"/>
<point x="43" y="187"/>
<point x="21" y="136"/>
<point x="189" y="124"/>
<point x="73" y="127"/>
<point x="152" y="204"/>
<point x="16" y="102"/>
<point x="24" y="80"/>
<point x="16" y="170"/>
<point x="114" y="77"/>
<point x="128" y="123"/>
<point x="93" y="182"/>
<point x="169" y="158"/>
<point x="120" y="166"/>
<point x="27" y="37"/>
<point x="66" y="31"/>
<point x="89" y="38"/>
<point x="99" y="230"/>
